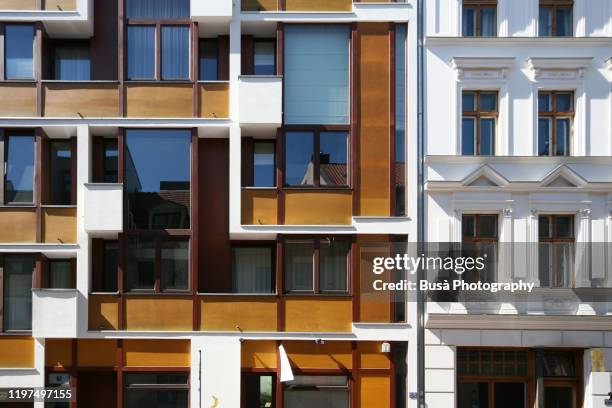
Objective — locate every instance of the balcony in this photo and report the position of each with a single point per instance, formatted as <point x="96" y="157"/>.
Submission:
<point x="261" y="101"/>
<point x="211" y="11"/>
<point x="103" y="209"/>
<point x="33" y="5"/>
<point x="54" y="313"/>
<point x="97" y="99"/>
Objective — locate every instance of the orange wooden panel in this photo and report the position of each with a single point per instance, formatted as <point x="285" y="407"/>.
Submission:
<point x="318" y="207"/>
<point x="17" y="225"/>
<point x="318" y="5"/>
<point x="370" y="355"/>
<point x="156" y="353"/>
<point x="259" y="5"/>
<point x="304" y="314"/>
<point x="163" y="313"/>
<point x="159" y="100"/>
<point x="374" y="306"/>
<point x="18" y="5"/>
<point x="258" y="354"/>
<point x="308" y="354"/>
<point x="59" y="225"/>
<point x="374" y="390"/>
<point x="259" y="207"/>
<point x="374" y="123"/>
<point x="16" y="352"/>
<point x="103" y="312"/>
<point x="214" y="100"/>
<point x="58" y="352"/>
<point x="96" y="352"/>
<point x="227" y="313"/>
<point x="89" y="100"/>
<point x="63" y="5"/>
<point x="18" y="100"/>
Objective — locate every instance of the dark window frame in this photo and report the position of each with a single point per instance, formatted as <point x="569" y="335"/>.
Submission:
<point x="316" y="267"/>
<point x="49" y="177"/>
<point x="34" y="53"/>
<point x="554" y="5"/>
<point x="6" y="133"/>
<point x="476" y="237"/>
<point x="259" y="373"/>
<point x="553" y="115"/>
<point x="155" y="387"/>
<point x="555" y="239"/>
<point x="3" y="329"/>
<point x="479" y="114"/>
<point x="478" y="6"/>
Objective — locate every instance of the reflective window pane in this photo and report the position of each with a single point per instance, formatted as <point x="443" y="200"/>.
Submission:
<point x="175" y="264"/>
<point x="61" y="173"/>
<point x="468" y="226"/>
<point x="565" y="102"/>
<point x="208" y="60"/>
<point x="111" y="161"/>
<point x="72" y="62"/>
<point x="19" y="179"/>
<point x="333" y="265"/>
<point x="300" y="398"/>
<point x="299" y="158"/>
<point x="259" y="390"/>
<point x="157" y="173"/>
<point x="510" y="395"/>
<point x="545" y="21"/>
<point x="400" y="119"/>
<point x="564" y="22"/>
<point x="141" y="52"/>
<point x="563" y="137"/>
<point x="469" y="22"/>
<point x="264" y="171"/>
<point x="140" y="263"/>
<point x="18" y="292"/>
<point x="544" y="227"/>
<point x="544" y="102"/>
<point x="19" y="51"/>
<point x="488" y="22"/>
<point x="159" y="9"/>
<point x="252" y="270"/>
<point x="299" y="266"/>
<point x="473" y="394"/>
<point x="544" y="136"/>
<point x="175" y="52"/>
<point x="156" y="390"/>
<point x="333" y="158"/>
<point x="558" y="397"/>
<point x="559" y="364"/>
<point x="468" y="136"/>
<point x="487" y="226"/>
<point x="111" y="259"/>
<point x="487" y="136"/>
<point x="564" y="225"/>
<point x="264" y="58"/>
<point x="488" y="102"/>
<point x="60" y="274"/>
<point x="468" y="102"/>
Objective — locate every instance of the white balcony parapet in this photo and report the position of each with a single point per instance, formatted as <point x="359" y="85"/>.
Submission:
<point x="261" y="101"/>
<point x="211" y="10"/>
<point x="103" y="209"/>
<point x="54" y="313"/>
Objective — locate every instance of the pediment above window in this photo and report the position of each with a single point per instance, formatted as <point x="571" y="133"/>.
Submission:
<point x="481" y="68"/>
<point x="485" y="176"/>
<point x="558" y="68"/>
<point x="563" y="176"/>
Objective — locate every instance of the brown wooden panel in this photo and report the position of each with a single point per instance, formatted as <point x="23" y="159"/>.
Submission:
<point x="228" y="313"/>
<point x="318" y="5"/>
<point x="318" y="207"/>
<point x="88" y="100"/>
<point x="214" y="100"/>
<point x="370" y="355"/>
<point x="259" y="207"/>
<point x="63" y="5"/>
<point x="96" y="352"/>
<point x="259" y="5"/>
<point x="97" y="389"/>
<point x="374" y="390"/>
<point x="59" y="225"/>
<point x="103" y="312"/>
<point x="17" y="100"/>
<point x="156" y="353"/>
<point x="374" y="119"/>
<point x="159" y="100"/>
<point x="16" y="352"/>
<point x="258" y="354"/>
<point x="304" y="314"/>
<point x="58" y="352"/>
<point x="17" y="225"/>
<point x="374" y="307"/>
<point x="164" y="313"/>
<point x="330" y="355"/>
<point x="104" y="45"/>
<point x="18" y="5"/>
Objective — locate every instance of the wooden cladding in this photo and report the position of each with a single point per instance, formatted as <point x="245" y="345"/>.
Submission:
<point x="305" y="314"/>
<point x="333" y="207"/>
<point x="48" y="5"/>
<point x="318" y="5"/>
<point x="214" y="99"/>
<point x="17" y="352"/>
<point x="96" y="100"/>
<point x="18" y="99"/>
<point x="157" y="353"/>
<point x="159" y="100"/>
<point x="60" y="5"/>
<point x="103" y="312"/>
<point x="259" y="5"/>
<point x="163" y="313"/>
<point x="59" y="225"/>
<point x="14" y="5"/>
<point x="222" y="313"/>
<point x="259" y="207"/>
<point x="18" y="225"/>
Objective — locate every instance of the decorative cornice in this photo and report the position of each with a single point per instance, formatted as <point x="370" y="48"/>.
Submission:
<point x="481" y="67"/>
<point x="558" y="68"/>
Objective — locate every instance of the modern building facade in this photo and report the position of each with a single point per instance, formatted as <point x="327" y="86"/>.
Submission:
<point x="187" y="186"/>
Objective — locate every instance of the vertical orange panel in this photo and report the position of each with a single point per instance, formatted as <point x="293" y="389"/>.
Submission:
<point x="58" y="352"/>
<point x="370" y="355"/>
<point x="374" y="119"/>
<point x="259" y="354"/>
<point x="374" y="390"/>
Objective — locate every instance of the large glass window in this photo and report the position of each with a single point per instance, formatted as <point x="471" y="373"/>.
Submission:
<point x="175" y="52"/>
<point x="110" y="261"/>
<point x="111" y="161"/>
<point x="60" y="274"/>
<point x="72" y="61"/>
<point x="264" y="57"/>
<point x="141" y="52"/>
<point x="209" y="59"/>
<point x="259" y="390"/>
<point x="316" y="74"/>
<point x="556" y="250"/>
<point x="480" y="236"/>
<point x="479" y="18"/>
<point x="328" y="168"/>
<point x="156" y="390"/>
<point x="479" y="123"/>
<point x="264" y="164"/>
<point x="317" y="391"/>
<point x="61" y="173"/>
<point x="400" y="120"/>
<point x="157" y="174"/>
<point x="19" y="51"/>
<point x="316" y="266"/>
<point x="556" y="18"/>
<point x="555" y="123"/>
<point x="19" y="178"/>
<point x="18" y="271"/>
<point x="252" y="269"/>
<point x="157" y="9"/>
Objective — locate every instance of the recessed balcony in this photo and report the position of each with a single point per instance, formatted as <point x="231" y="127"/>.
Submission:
<point x="103" y="209"/>
<point x="261" y="102"/>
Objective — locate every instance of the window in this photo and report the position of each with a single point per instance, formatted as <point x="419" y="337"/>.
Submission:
<point x="156" y="390"/>
<point x="305" y="168"/>
<point x="156" y="263"/>
<point x="264" y="57"/>
<point x="479" y="239"/>
<point x="209" y="59"/>
<point x="19" y="51"/>
<point x="157" y="174"/>
<point x="479" y="18"/>
<point x="61" y="173"/>
<point x="17" y="277"/>
<point x="111" y="161"/>
<point x="317" y="391"/>
<point x="556" y="250"/>
<point x="556" y="18"/>
<point x="252" y="269"/>
<point x="105" y="259"/>
<point x="555" y="123"/>
<point x="60" y="274"/>
<point x="479" y="123"/>
<point x="264" y="164"/>
<point x="400" y="120"/>
<point x="72" y="61"/>
<point x="317" y="266"/>
<point x="157" y="9"/>
<point x="259" y="390"/>
<point x="316" y="74"/>
<point x="19" y="178"/>
<point x="560" y="378"/>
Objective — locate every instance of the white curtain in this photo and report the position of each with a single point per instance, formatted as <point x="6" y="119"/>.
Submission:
<point x="18" y="293"/>
<point x="72" y="63"/>
<point x="252" y="270"/>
